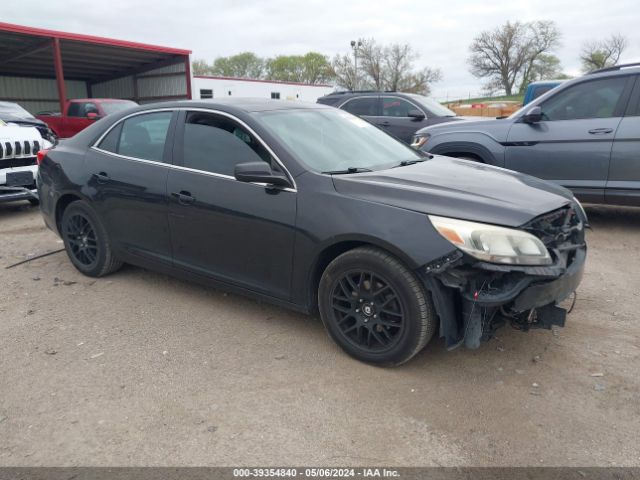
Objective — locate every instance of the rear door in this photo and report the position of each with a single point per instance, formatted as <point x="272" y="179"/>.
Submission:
<point x="129" y="169"/>
<point x="367" y="107"/>
<point x="395" y="118"/>
<point x="237" y="232"/>
<point x="623" y="184"/>
<point x="572" y="144"/>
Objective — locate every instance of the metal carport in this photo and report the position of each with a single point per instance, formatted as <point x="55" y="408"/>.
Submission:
<point x="40" y="69"/>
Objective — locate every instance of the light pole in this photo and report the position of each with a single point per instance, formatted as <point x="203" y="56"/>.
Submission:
<point x="355" y="45"/>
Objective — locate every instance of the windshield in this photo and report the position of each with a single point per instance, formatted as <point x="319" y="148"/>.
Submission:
<point x="114" y="107"/>
<point x="433" y="106"/>
<point x="333" y="140"/>
<point x="14" y="109"/>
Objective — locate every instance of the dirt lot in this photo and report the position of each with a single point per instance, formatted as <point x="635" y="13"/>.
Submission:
<point x="141" y="369"/>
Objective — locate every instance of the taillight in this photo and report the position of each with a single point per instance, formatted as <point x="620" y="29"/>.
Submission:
<point x="41" y="154"/>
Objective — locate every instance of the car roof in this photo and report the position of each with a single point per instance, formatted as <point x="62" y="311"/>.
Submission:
<point x="549" y="82"/>
<point x="362" y="93"/>
<point x="237" y="104"/>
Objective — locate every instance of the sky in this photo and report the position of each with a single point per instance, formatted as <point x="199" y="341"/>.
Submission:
<point x="439" y="32"/>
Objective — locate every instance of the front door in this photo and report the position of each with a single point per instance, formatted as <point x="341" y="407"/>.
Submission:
<point x="572" y="144"/>
<point x="623" y="184"/>
<point x="395" y="118"/>
<point x="236" y="232"/>
<point x="129" y="169"/>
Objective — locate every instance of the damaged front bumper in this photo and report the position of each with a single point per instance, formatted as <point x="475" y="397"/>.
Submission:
<point x="474" y="298"/>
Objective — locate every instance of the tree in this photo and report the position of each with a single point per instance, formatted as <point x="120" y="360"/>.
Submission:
<point x="312" y="68"/>
<point x="602" y="54"/>
<point x="201" y="67"/>
<point x="509" y="54"/>
<point x="372" y="59"/>
<point x="242" y="65"/>
<point x="344" y="71"/>
<point x="389" y="67"/>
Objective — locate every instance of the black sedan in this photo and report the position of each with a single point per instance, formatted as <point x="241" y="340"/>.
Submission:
<point x="312" y="208"/>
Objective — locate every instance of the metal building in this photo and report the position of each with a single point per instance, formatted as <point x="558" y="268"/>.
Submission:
<point x="221" y="87"/>
<point x="40" y="69"/>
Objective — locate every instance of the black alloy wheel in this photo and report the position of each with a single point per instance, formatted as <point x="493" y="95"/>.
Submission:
<point x="82" y="239"/>
<point x="374" y="307"/>
<point x="368" y="310"/>
<point x="86" y="241"/>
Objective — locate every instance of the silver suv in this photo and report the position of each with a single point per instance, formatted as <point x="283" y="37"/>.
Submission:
<point x="583" y="134"/>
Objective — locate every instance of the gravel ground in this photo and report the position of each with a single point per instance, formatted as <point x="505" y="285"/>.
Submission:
<point x="141" y="369"/>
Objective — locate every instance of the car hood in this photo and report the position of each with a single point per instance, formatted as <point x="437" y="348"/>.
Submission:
<point x="459" y="189"/>
<point x="469" y="123"/>
<point x="22" y="120"/>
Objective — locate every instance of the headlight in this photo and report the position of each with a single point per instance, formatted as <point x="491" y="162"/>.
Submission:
<point x="417" y="141"/>
<point x="491" y="243"/>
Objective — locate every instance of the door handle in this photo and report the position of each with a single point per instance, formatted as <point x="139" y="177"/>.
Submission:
<point x="101" y="177"/>
<point x="184" y="197"/>
<point x="600" y="131"/>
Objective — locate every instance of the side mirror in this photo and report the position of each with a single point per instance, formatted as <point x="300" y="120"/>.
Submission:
<point x="93" y="116"/>
<point x="416" y="114"/>
<point x="259" y="172"/>
<point x="534" y="115"/>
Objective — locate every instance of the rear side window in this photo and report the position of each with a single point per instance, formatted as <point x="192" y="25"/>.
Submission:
<point x="216" y="144"/>
<point x="142" y="136"/>
<point x="367" y="106"/>
<point x="592" y="99"/>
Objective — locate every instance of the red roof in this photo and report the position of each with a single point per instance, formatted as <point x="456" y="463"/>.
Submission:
<point x="41" y="32"/>
<point x="264" y="81"/>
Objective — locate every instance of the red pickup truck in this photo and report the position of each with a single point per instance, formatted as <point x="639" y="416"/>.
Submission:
<point x="79" y="113"/>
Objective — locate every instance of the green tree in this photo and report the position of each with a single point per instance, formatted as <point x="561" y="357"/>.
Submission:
<point x="242" y="65"/>
<point x="312" y="68"/>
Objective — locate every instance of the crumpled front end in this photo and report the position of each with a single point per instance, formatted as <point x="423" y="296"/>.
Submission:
<point x="473" y="298"/>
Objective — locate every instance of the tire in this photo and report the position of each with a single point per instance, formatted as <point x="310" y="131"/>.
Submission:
<point x="86" y="241"/>
<point x="375" y="308"/>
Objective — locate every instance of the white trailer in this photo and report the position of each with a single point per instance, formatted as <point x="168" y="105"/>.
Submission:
<point x="206" y="87"/>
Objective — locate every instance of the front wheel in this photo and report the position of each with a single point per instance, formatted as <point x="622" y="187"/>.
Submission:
<point x="375" y="308"/>
<point x="86" y="241"/>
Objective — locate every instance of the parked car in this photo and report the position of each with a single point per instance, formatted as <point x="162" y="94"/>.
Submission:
<point x="536" y="89"/>
<point x="312" y="208"/>
<point x="399" y="114"/>
<point x="82" y="112"/>
<point x="582" y="134"/>
<point x="12" y="113"/>
<point x="19" y="146"/>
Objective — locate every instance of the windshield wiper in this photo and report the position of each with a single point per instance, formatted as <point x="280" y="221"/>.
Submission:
<point x="348" y="170"/>
<point x="404" y="163"/>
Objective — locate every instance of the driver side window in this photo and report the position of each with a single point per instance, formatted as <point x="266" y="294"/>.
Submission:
<point x="396" y="107"/>
<point x="216" y="144"/>
<point x="592" y="99"/>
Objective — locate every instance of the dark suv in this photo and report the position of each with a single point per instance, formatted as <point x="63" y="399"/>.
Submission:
<point x="583" y="135"/>
<point x="400" y="114"/>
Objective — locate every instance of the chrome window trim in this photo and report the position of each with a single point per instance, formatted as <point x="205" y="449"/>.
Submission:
<point x="179" y="167"/>
<point x="399" y="98"/>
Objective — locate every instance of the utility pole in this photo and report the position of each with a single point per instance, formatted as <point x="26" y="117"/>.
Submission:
<point x="355" y="45"/>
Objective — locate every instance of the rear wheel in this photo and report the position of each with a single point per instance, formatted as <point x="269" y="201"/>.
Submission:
<point x="375" y="308"/>
<point x="86" y="241"/>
